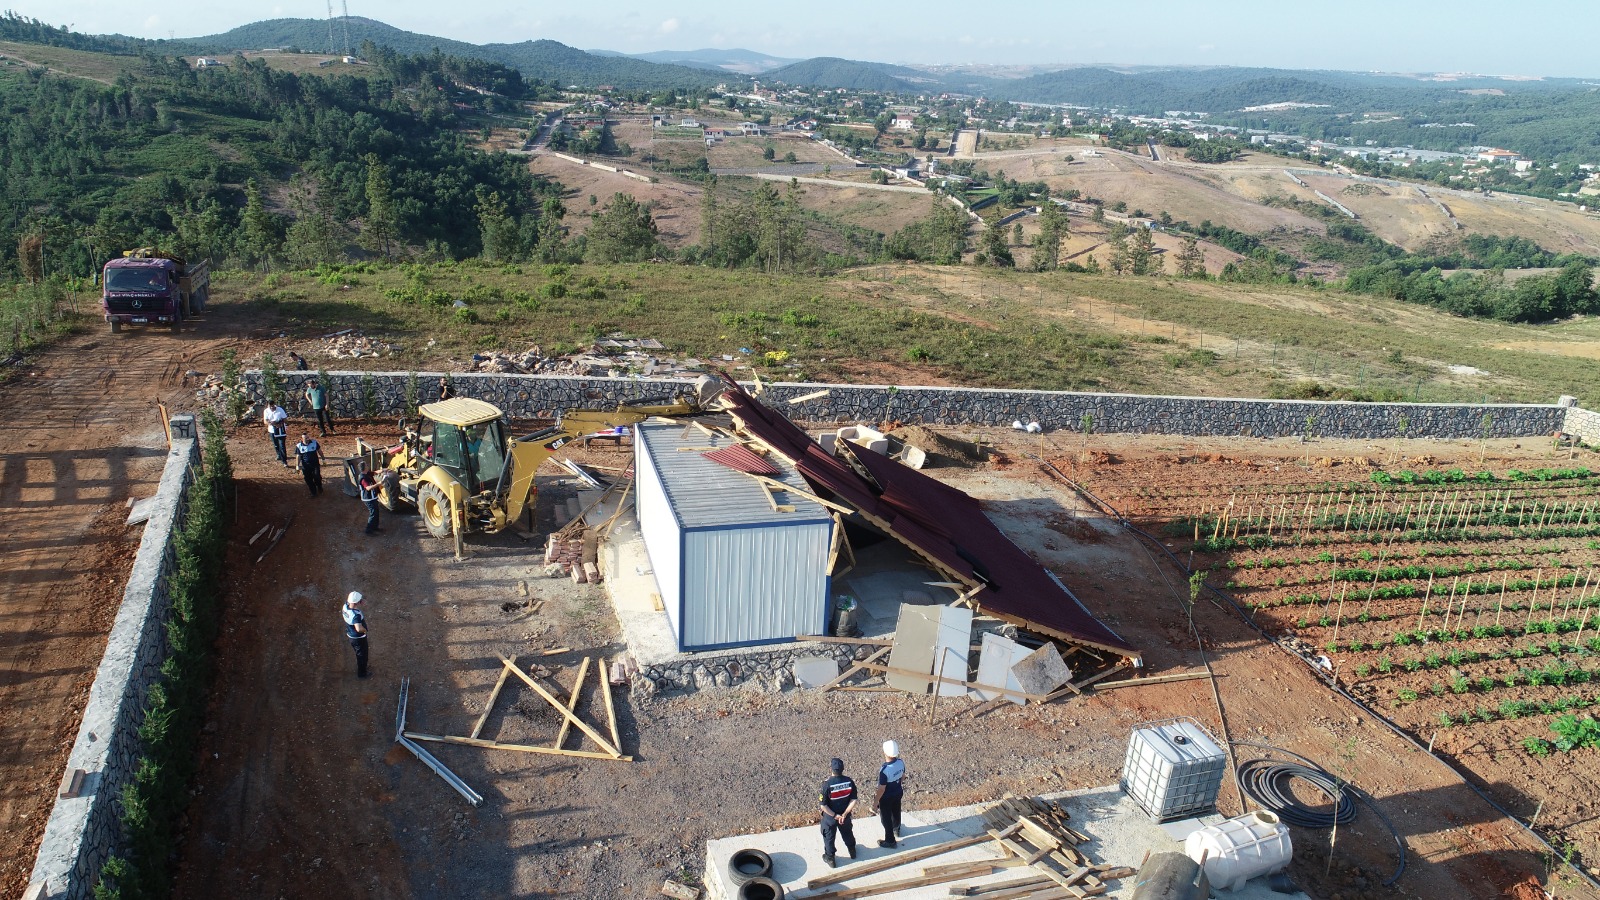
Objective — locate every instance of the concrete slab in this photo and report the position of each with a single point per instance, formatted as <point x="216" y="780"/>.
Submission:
<point x="139" y="511"/>
<point x="882" y="576"/>
<point x="1120" y="834"/>
<point x="630" y="582"/>
<point x="1042" y="671"/>
<point x="815" y="671"/>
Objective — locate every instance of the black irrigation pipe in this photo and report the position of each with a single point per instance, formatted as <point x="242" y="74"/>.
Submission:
<point x="1110" y="511"/>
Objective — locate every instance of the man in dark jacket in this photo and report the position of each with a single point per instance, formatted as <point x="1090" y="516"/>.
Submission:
<point x="838" y="800"/>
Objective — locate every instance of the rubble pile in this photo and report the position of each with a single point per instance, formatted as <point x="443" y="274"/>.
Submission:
<point x="355" y="345"/>
<point x="213" y="391"/>
<point x="609" y="358"/>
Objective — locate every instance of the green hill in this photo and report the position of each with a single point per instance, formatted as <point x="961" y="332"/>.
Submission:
<point x="165" y="156"/>
<point x="548" y="61"/>
<point x="828" y="71"/>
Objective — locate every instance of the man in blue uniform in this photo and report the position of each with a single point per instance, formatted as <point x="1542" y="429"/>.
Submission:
<point x="890" y="790"/>
<point x="370" y="491"/>
<point x="838" y="801"/>
<point x="355" y="628"/>
<point x="308" y="456"/>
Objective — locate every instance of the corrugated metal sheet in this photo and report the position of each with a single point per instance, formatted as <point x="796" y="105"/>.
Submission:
<point x="663" y="539"/>
<point x="754" y="584"/>
<point x="703" y="494"/>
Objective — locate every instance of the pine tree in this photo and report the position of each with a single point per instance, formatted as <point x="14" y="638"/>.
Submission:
<point x="994" y="246"/>
<point x="1117" y="243"/>
<point x="625" y="232"/>
<point x="1191" y="262"/>
<point x="382" y="223"/>
<point x="708" y="216"/>
<point x="1047" y="243"/>
<point x="496" y="228"/>
<point x="1142" y="258"/>
<point x="258" y="233"/>
<point x="314" y="237"/>
<point x="552" y="242"/>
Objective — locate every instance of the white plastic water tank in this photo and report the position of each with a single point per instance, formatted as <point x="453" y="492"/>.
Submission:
<point x="1240" y="849"/>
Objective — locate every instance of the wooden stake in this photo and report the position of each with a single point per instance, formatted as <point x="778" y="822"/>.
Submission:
<point x="477" y="727"/>
<point x="572" y="703"/>
<point x="1500" y="607"/>
<point x="1339" y="620"/>
<point x="1425" y="597"/>
<point x="520" y="748"/>
<point x="611" y="706"/>
<point x="1533" y="603"/>
<point x="1450" y="604"/>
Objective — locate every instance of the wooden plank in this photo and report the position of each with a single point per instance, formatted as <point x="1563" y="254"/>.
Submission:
<point x="572" y="703"/>
<point x="1037" y="833"/>
<point x="904" y="884"/>
<point x="789" y="488"/>
<point x="519" y="748"/>
<point x="875" y="667"/>
<point x="477" y="727"/>
<point x="550" y="699"/>
<point x="826" y="639"/>
<point x="1001" y="890"/>
<point x="872" y="867"/>
<point x="1158" y="679"/>
<point x="997" y="862"/>
<point x="814" y="395"/>
<point x="611" y="705"/>
<point x="847" y="673"/>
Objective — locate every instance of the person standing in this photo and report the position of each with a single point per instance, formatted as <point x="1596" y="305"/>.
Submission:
<point x="369" y="497"/>
<point x="317" y="397"/>
<point x="446" y="391"/>
<point x="838" y="800"/>
<point x="355" y="628"/>
<point x="891" y="788"/>
<point x="276" y="418"/>
<point x="308" y="455"/>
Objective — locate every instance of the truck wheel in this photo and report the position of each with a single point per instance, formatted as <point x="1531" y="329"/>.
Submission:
<point x="177" y="319"/>
<point x="435" y="509"/>
<point x="116" y="327"/>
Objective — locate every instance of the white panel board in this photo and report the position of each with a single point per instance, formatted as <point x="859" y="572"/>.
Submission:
<point x="950" y="651"/>
<point x="995" y="659"/>
<point x="915" y="634"/>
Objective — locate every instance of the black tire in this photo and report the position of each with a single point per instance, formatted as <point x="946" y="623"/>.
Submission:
<point x="116" y="327"/>
<point x="435" y="509"/>
<point x="760" y="889"/>
<point x="745" y="865"/>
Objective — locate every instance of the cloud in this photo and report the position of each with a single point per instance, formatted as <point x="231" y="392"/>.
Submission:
<point x="152" y="23"/>
<point x="669" y="26"/>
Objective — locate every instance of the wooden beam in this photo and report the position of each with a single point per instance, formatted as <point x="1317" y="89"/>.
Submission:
<point x="572" y="703"/>
<point x="550" y="699"/>
<point x="814" y="395"/>
<point x="873" y="867"/>
<point x="1158" y="679"/>
<point x="827" y="639"/>
<point x="891" y="670"/>
<point x="1076" y="687"/>
<point x="781" y="486"/>
<point x="611" y="706"/>
<point x="494" y="695"/>
<point x="845" y="676"/>
<point x="519" y="748"/>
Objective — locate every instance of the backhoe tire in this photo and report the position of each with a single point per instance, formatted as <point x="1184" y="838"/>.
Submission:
<point x="435" y="509"/>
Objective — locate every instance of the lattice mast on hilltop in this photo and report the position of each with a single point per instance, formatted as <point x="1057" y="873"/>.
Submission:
<point x="344" y="5"/>
<point x="332" y="47"/>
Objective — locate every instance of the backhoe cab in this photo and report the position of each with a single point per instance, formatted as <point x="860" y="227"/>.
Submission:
<point x="463" y="474"/>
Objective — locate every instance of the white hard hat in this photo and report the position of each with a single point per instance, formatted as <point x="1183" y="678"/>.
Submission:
<point x="354" y="598"/>
<point x="890" y="748"/>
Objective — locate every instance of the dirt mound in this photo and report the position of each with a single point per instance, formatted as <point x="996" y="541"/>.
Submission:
<point x="942" y="450"/>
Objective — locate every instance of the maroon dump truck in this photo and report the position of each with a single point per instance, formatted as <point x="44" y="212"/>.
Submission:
<point x="147" y="287"/>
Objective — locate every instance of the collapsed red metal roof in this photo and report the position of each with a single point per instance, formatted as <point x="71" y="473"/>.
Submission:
<point x="940" y="523"/>
<point x="741" y="460"/>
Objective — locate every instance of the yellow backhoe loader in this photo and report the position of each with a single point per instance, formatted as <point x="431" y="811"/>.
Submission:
<point x="462" y="474"/>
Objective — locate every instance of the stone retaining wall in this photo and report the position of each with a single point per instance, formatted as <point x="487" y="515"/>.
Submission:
<point x="768" y="671"/>
<point x="83" y="831"/>
<point x="1585" y="425"/>
<point x="542" y="397"/>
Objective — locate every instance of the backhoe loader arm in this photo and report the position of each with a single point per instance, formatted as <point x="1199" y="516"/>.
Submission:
<point x="528" y="453"/>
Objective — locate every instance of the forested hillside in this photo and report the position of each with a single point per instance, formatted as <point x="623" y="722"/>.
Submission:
<point x="168" y="155"/>
<point x="546" y="60"/>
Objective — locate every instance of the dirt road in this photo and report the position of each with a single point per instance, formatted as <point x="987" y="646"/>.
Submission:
<point x="79" y="435"/>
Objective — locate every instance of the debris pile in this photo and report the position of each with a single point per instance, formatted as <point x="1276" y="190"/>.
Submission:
<point x="352" y="344"/>
<point x="611" y="357"/>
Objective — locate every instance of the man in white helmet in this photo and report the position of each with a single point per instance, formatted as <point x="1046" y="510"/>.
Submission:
<point x="890" y="790"/>
<point x="355" y="628"/>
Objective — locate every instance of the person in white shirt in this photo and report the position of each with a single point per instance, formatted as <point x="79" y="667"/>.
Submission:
<point x="276" y="418"/>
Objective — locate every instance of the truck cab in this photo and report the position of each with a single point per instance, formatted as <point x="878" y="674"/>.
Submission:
<point x="146" y="287"/>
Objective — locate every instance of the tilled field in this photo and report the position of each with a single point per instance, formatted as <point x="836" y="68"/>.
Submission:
<point x="1455" y="596"/>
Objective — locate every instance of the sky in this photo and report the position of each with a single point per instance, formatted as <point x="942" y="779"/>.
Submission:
<point x="1531" y="37"/>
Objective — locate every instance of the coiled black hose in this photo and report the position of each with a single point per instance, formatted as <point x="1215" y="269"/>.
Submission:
<point x="1266" y="782"/>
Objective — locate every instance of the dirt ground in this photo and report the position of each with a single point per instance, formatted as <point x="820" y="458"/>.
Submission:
<point x="303" y="793"/>
<point x="82" y="435"/>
